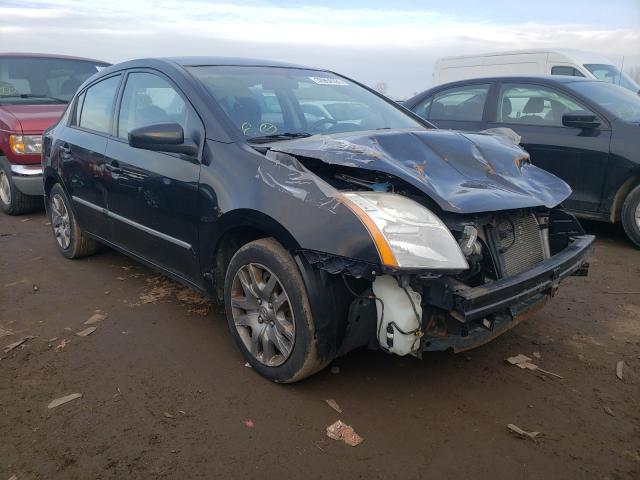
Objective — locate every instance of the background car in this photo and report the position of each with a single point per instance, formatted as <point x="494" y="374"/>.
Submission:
<point x="34" y="91"/>
<point x="318" y="236"/>
<point x="585" y="131"/>
<point x="576" y="63"/>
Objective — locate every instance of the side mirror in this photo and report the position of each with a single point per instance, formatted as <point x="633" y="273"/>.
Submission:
<point x="162" y="137"/>
<point x="584" y="120"/>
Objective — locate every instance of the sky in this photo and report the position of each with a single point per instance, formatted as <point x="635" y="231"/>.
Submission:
<point x="393" y="41"/>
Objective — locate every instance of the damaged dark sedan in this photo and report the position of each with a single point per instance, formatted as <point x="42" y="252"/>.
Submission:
<point x="324" y="216"/>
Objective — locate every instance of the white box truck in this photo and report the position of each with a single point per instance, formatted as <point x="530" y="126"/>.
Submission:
<point x="531" y="62"/>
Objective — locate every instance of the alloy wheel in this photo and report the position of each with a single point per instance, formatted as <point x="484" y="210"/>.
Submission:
<point x="637" y="215"/>
<point x="60" y="221"/>
<point x="262" y="314"/>
<point x="5" y="188"/>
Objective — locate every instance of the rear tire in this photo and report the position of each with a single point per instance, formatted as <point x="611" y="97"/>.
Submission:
<point x="72" y="242"/>
<point x="12" y="200"/>
<point x="269" y="314"/>
<point x="630" y="215"/>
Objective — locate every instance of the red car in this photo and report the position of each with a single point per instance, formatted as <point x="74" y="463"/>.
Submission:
<point x="34" y="91"/>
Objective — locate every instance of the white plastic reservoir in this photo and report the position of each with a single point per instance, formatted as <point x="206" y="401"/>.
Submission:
<point x="399" y="316"/>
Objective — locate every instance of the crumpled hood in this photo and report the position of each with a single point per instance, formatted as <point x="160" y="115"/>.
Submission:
<point x="461" y="172"/>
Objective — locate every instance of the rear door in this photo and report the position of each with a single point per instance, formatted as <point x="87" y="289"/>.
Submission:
<point x="81" y="149"/>
<point x="579" y="157"/>
<point x="456" y="108"/>
<point x="152" y="195"/>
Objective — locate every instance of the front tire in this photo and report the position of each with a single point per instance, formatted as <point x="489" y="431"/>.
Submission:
<point x="12" y="200"/>
<point x="269" y="314"/>
<point x="630" y="215"/>
<point x="72" y="242"/>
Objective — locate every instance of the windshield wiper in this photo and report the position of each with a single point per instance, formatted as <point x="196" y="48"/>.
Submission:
<point x="33" y="95"/>
<point x="278" y="136"/>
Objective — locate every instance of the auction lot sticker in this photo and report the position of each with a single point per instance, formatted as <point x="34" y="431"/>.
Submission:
<point x="328" y="81"/>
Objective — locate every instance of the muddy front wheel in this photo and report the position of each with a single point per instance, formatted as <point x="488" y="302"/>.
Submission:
<point x="268" y="312"/>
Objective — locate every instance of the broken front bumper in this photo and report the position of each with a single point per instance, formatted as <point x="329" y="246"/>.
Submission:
<point x="477" y="315"/>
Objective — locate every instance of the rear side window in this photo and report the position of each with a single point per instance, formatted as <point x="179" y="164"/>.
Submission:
<point x="458" y="103"/>
<point x="97" y="107"/>
<point x="564" y="70"/>
<point x="149" y="99"/>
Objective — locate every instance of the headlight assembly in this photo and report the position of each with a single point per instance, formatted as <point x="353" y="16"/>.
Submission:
<point x="26" y="144"/>
<point x="407" y="234"/>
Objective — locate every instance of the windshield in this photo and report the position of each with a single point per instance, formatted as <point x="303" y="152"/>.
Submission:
<point x="611" y="74"/>
<point x="270" y="102"/>
<point x="620" y="102"/>
<point x="34" y="80"/>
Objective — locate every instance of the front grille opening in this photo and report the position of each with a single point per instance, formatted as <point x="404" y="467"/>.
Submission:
<point x="521" y="242"/>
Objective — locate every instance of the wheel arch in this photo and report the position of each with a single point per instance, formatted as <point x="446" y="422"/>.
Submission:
<point x="621" y="194"/>
<point x="232" y="231"/>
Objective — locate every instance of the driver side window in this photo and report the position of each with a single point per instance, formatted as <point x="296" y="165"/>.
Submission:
<point x="147" y="100"/>
<point x="533" y="105"/>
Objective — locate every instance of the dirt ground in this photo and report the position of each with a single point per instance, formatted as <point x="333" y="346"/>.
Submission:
<point x="166" y="394"/>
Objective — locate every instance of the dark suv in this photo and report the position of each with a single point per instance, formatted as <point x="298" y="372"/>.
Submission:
<point x="34" y="91"/>
<point x="585" y="131"/>
<point x="319" y="235"/>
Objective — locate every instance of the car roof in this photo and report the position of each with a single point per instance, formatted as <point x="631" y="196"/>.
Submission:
<point x="48" y="55"/>
<point x="522" y="78"/>
<point x="230" y="61"/>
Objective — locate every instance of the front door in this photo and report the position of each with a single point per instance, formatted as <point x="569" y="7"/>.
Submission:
<point x="580" y="157"/>
<point x="153" y="195"/>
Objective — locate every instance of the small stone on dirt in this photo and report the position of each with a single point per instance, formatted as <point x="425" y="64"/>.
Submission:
<point x="333" y="404"/>
<point x="86" y="332"/>
<point x="62" y="400"/>
<point x="61" y="345"/>
<point x="36" y="288"/>
<point x="537" y="355"/>
<point x="344" y="432"/>
<point x="608" y="411"/>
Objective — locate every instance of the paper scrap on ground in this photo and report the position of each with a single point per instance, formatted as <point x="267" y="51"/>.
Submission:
<point x="248" y="423"/>
<point x="524" y="362"/>
<point x="619" y="367"/>
<point x="86" y="331"/>
<point x="13" y="345"/>
<point x="522" y="433"/>
<point x="333" y="404"/>
<point x="342" y="431"/>
<point x="62" y="400"/>
<point x="96" y="318"/>
<point x="61" y="345"/>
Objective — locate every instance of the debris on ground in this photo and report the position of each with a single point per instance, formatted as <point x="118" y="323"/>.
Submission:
<point x="5" y="333"/>
<point x="25" y="219"/>
<point x="335" y="370"/>
<point x="13" y="477"/>
<point x="96" y="318"/>
<point x="168" y="415"/>
<point x="619" y="367"/>
<point x="333" y="404"/>
<point x="248" y="423"/>
<point x="13" y="345"/>
<point x="342" y="431"/>
<point x="62" y="400"/>
<point x="36" y="288"/>
<point x="107" y="292"/>
<point x="86" y="332"/>
<point x="248" y="365"/>
<point x="61" y="345"/>
<point x="522" y="433"/>
<point x="537" y="355"/>
<point x="608" y="411"/>
<point x="524" y="362"/>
